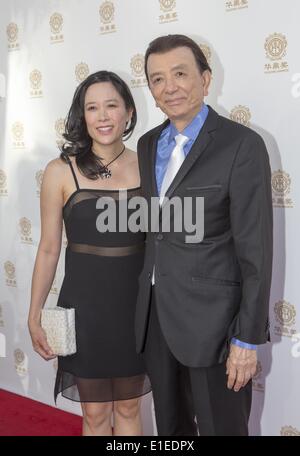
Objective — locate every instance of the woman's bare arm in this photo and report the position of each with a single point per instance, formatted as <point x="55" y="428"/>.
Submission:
<point x="48" y="252"/>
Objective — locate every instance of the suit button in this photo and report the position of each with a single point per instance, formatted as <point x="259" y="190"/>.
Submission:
<point x="159" y="237"/>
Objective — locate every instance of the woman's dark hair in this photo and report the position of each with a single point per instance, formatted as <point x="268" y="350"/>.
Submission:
<point x="166" y="43"/>
<point x="78" y="142"/>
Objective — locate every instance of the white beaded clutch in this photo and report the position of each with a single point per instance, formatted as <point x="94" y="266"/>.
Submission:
<point x="59" y="326"/>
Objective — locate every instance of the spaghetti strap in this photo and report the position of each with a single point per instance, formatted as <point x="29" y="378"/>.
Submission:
<point x="72" y="169"/>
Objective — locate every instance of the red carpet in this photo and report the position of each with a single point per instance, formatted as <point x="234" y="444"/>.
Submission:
<point x="22" y="416"/>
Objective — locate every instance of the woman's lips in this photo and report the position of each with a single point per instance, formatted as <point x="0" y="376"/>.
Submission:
<point x="105" y="130"/>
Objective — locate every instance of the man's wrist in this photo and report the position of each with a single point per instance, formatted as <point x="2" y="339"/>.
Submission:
<point x="241" y="344"/>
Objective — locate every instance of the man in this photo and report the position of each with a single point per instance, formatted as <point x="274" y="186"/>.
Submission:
<point x="202" y="306"/>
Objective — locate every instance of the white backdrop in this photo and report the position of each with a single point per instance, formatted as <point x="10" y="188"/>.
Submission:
<point x="46" y="48"/>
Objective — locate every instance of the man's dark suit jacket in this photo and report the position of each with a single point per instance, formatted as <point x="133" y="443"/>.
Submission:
<point x="208" y="292"/>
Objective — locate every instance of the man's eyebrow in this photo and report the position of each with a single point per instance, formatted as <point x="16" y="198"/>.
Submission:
<point x="181" y="66"/>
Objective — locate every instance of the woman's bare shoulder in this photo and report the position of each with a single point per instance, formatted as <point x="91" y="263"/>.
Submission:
<point x="58" y="165"/>
<point x="55" y="170"/>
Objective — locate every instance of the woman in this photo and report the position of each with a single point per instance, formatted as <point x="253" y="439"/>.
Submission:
<point x="102" y="268"/>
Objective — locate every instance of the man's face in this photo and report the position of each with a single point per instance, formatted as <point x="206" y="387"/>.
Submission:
<point x="177" y="85"/>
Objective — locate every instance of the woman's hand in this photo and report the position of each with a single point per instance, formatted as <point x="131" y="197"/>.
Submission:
<point x="39" y="341"/>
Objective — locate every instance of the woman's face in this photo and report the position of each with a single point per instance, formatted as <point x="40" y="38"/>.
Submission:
<point x="105" y="113"/>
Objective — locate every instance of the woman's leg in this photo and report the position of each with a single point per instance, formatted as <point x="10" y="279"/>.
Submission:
<point x="127" y="417"/>
<point x="96" y="418"/>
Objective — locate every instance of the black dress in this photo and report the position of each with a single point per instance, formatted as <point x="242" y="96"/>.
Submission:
<point x="101" y="283"/>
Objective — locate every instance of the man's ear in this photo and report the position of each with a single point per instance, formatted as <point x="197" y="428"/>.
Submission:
<point x="206" y="78"/>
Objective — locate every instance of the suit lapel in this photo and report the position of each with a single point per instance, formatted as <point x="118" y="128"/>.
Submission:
<point x="153" y="150"/>
<point x="202" y="141"/>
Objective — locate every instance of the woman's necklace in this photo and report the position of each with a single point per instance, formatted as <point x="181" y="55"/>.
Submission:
<point x="105" y="172"/>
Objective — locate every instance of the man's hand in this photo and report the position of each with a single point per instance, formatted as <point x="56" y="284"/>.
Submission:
<point x="240" y="366"/>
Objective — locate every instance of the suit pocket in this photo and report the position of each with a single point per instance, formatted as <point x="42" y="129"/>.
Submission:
<point x="207" y="188"/>
<point x="217" y="286"/>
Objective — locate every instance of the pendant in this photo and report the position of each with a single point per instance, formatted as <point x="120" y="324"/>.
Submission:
<point x="106" y="173"/>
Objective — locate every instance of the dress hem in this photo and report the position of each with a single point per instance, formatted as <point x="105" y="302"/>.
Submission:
<point x="113" y="400"/>
<point x="60" y="390"/>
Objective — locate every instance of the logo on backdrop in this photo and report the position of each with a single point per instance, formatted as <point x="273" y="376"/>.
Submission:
<point x="60" y="129"/>
<point x="241" y="114"/>
<point x="56" y="24"/>
<point x="257" y="381"/>
<point x="12" y="33"/>
<point x="236" y="5"/>
<point x="168" y="8"/>
<point x="17" y="130"/>
<point x="285" y="315"/>
<point x="289" y="431"/>
<point x="206" y="51"/>
<point x="276" y="48"/>
<point x="281" y="189"/>
<point x="39" y="179"/>
<point x="10" y="273"/>
<point x="81" y="72"/>
<point x="3" y="183"/>
<point x="35" y="79"/>
<point x="107" y="17"/>
<point x="20" y="362"/>
<point x="137" y="63"/>
<point x="25" y="231"/>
